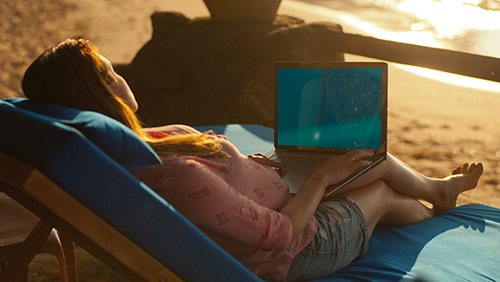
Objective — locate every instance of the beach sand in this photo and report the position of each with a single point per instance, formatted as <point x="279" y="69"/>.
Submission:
<point x="434" y="126"/>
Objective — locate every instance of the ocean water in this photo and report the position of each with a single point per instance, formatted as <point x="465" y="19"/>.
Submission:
<point x="464" y="25"/>
<point x="471" y="26"/>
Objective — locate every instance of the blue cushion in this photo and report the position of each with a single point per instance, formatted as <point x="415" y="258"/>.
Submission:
<point x="111" y="136"/>
<point x="462" y="244"/>
<point x="84" y="171"/>
<point x="248" y="138"/>
<point x="425" y="251"/>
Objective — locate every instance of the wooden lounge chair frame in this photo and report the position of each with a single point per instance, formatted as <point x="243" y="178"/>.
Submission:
<point x="36" y="192"/>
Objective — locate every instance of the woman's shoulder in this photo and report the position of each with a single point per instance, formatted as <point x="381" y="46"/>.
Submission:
<point x="179" y="169"/>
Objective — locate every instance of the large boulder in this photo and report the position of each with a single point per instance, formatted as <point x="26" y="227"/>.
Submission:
<point x="217" y="71"/>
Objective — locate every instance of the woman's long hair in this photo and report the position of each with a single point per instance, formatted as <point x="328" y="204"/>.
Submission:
<point x="72" y="74"/>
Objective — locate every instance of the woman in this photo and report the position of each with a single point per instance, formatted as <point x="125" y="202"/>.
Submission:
<point x="241" y="202"/>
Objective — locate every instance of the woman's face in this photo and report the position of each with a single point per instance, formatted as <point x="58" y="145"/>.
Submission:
<point x="119" y="86"/>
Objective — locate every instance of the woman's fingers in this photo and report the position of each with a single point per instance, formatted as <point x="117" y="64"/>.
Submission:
<point x="358" y="155"/>
<point x="339" y="167"/>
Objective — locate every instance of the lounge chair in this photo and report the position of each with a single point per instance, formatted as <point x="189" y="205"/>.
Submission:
<point x="69" y="168"/>
<point x="16" y="223"/>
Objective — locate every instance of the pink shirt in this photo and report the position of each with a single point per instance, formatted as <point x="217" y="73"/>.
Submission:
<point x="236" y="202"/>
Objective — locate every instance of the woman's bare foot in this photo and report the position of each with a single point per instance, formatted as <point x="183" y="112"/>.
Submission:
<point x="463" y="178"/>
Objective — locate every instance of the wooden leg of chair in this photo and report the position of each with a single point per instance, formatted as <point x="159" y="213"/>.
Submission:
<point x="69" y="254"/>
<point x="64" y="250"/>
<point x="24" y="275"/>
<point x="18" y="265"/>
<point x="54" y="247"/>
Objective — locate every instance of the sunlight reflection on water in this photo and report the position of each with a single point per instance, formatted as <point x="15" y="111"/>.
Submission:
<point x="455" y="79"/>
<point x="452" y="18"/>
<point x="468" y="25"/>
<point x="464" y="25"/>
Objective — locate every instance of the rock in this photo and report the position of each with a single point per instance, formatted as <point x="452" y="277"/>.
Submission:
<point x="204" y="71"/>
<point x="242" y="10"/>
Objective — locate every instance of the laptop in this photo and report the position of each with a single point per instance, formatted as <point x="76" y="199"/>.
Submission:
<point x="328" y="108"/>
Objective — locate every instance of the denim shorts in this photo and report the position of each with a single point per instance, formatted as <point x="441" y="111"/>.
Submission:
<point x="341" y="237"/>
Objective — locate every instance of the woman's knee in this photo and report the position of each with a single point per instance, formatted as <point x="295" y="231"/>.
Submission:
<point x="380" y="189"/>
<point x="374" y="200"/>
<point x="375" y="192"/>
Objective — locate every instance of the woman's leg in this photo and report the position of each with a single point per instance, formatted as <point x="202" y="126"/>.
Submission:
<point x="442" y="193"/>
<point x="382" y="205"/>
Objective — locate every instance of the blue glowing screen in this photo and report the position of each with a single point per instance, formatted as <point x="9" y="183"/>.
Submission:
<point x="330" y="107"/>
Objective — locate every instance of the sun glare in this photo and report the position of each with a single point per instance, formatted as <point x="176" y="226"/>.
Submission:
<point x="451" y="17"/>
<point x="454" y="79"/>
<point x="415" y="36"/>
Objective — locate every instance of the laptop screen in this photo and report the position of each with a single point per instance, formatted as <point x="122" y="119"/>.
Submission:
<point x="331" y="105"/>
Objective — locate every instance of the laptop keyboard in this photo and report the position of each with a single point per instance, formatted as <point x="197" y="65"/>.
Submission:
<point x="301" y="165"/>
<point x="298" y="165"/>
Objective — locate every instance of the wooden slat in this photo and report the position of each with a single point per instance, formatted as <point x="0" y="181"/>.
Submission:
<point x="13" y="171"/>
<point x="44" y="198"/>
<point x="93" y="227"/>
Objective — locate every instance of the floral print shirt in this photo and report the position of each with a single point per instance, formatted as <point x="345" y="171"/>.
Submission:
<point x="235" y="201"/>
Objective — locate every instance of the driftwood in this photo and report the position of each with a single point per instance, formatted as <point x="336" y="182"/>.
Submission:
<point x="472" y="65"/>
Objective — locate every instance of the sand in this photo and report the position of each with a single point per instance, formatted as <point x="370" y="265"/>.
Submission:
<point x="433" y="125"/>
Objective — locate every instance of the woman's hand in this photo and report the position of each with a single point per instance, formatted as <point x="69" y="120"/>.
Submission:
<point x="302" y="207"/>
<point x="339" y="167"/>
<point x="263" y="160"/>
